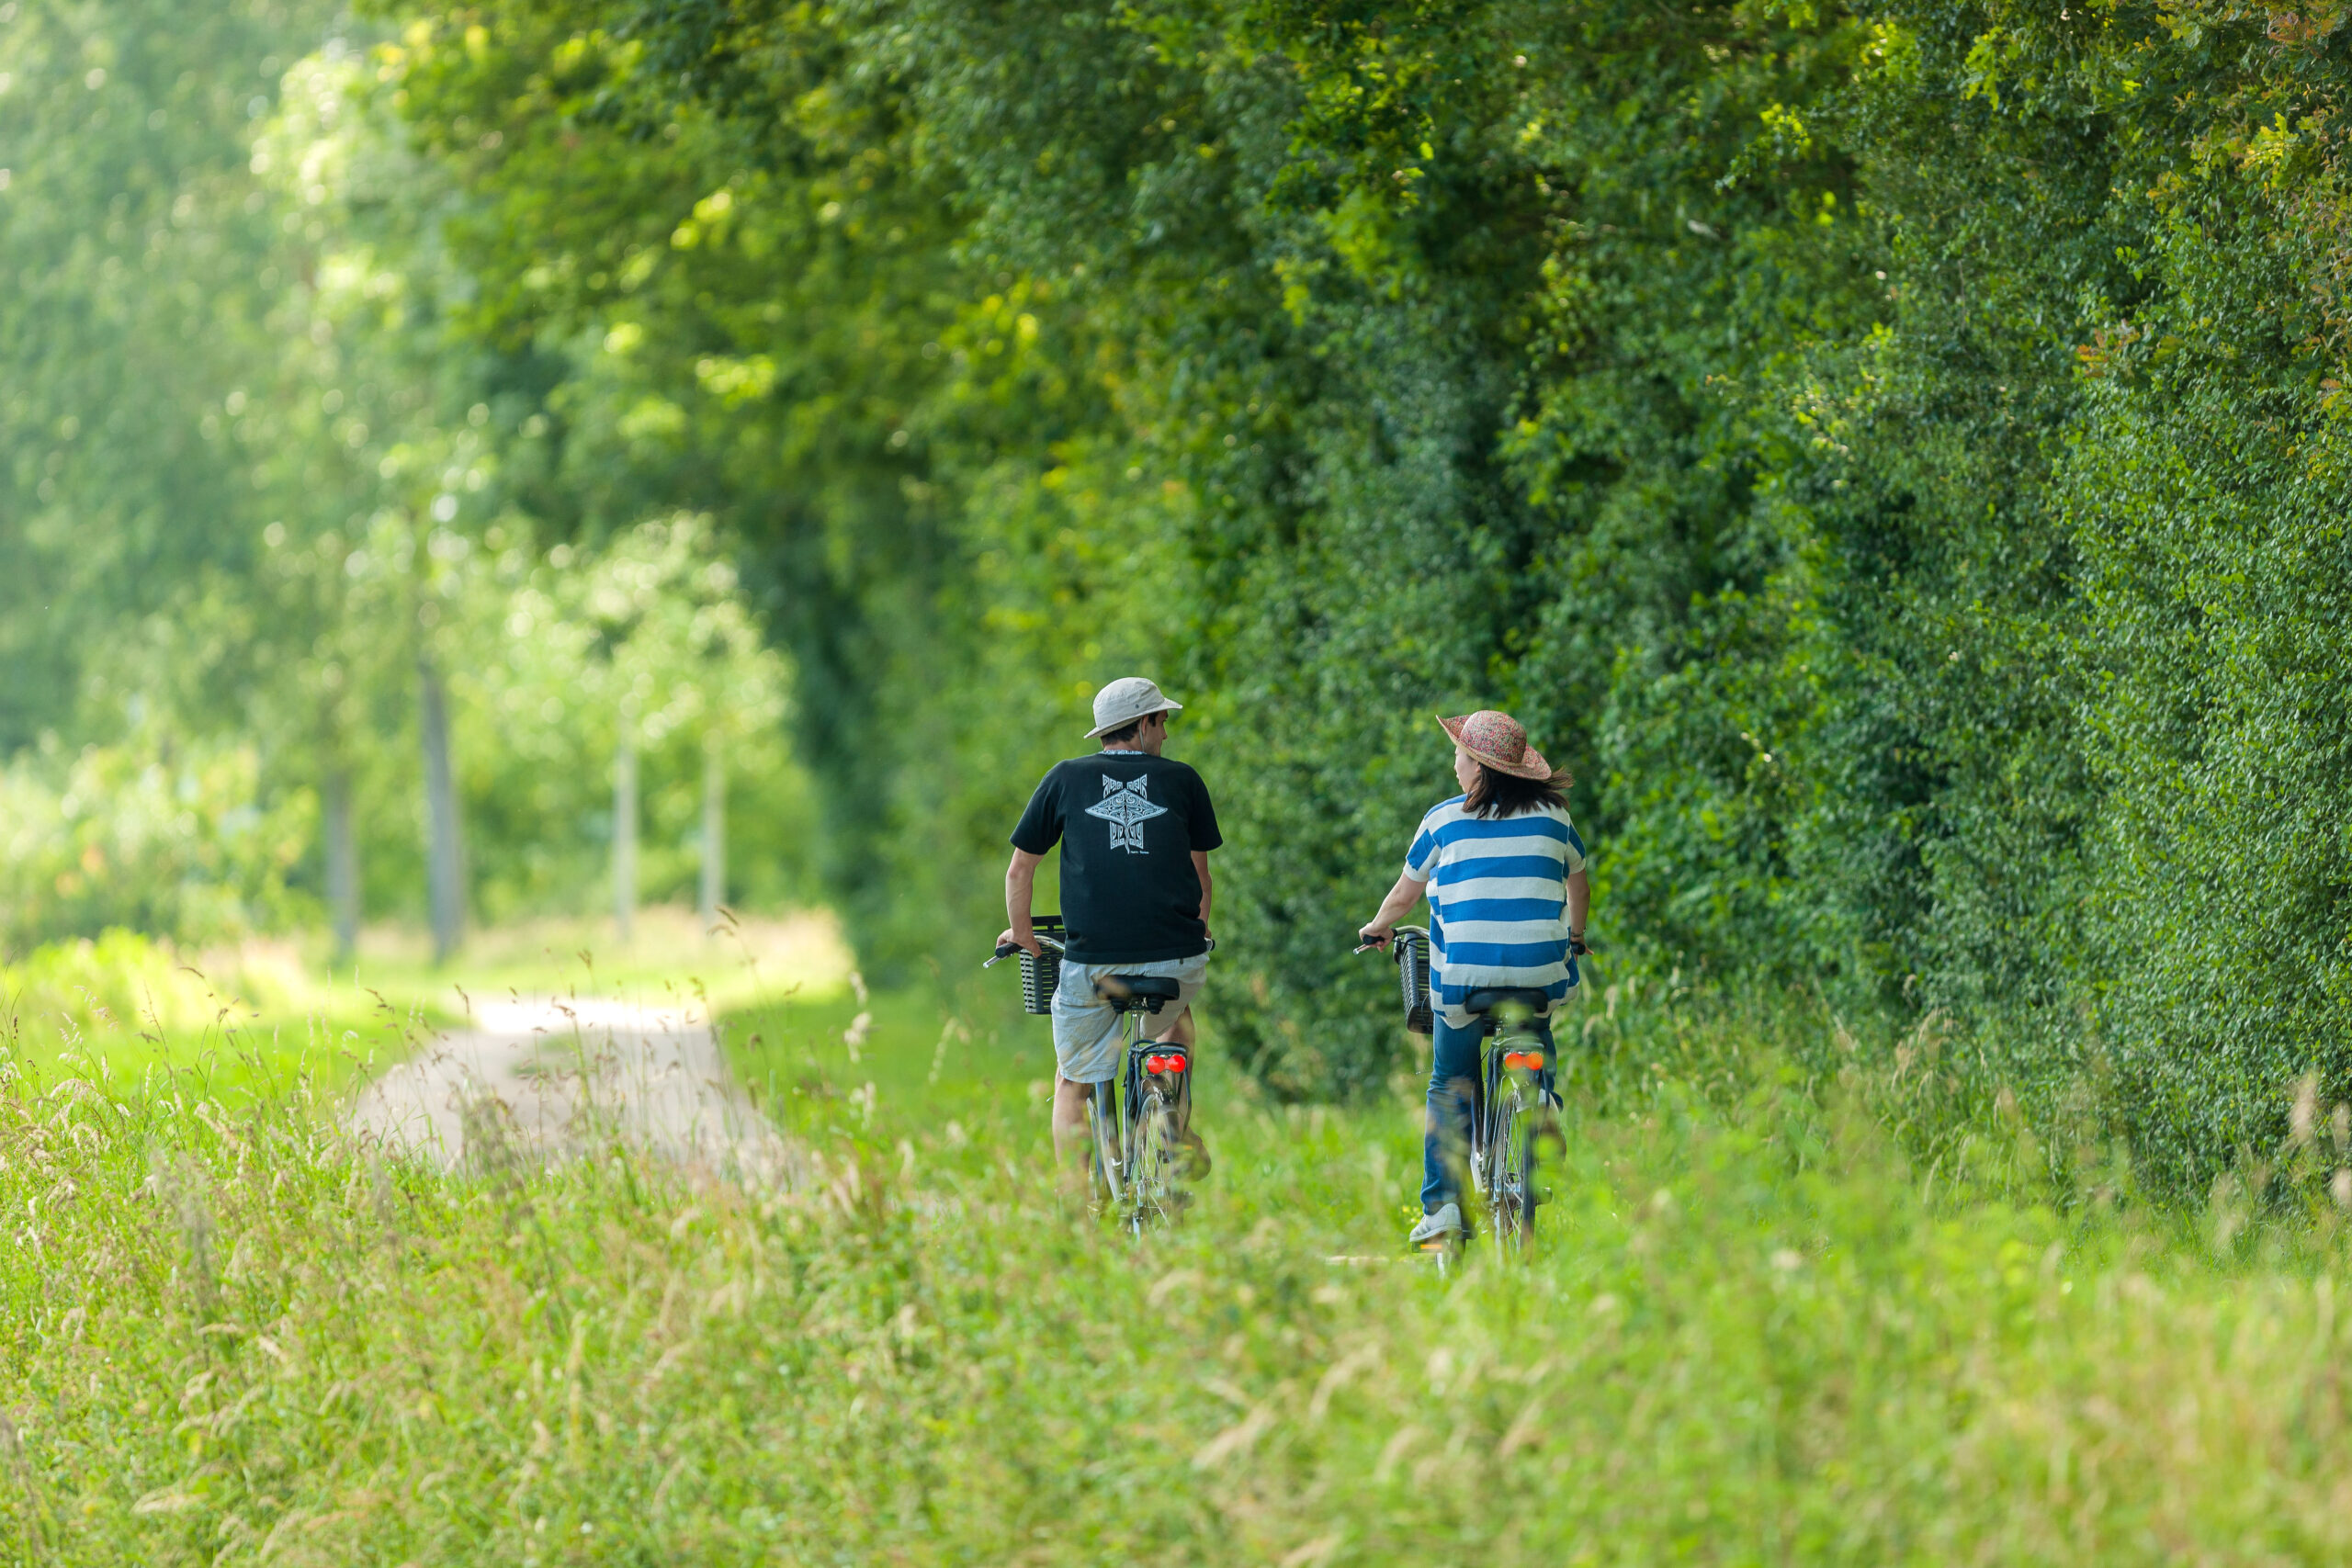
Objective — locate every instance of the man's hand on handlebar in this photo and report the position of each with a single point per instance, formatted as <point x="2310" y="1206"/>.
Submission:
<point x="1027" y="942"/>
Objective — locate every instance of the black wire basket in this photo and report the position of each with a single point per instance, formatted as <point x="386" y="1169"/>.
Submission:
<point x="1041" y="974"/>
<point x="1413" y="980"/>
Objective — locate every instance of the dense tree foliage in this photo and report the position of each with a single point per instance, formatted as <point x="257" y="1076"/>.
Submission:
<point x="1892" y="449"/>
<point x="1887" y="448"/>
<point x="254" y="493"/>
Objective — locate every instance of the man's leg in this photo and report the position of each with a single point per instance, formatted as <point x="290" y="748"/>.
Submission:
<point x="1179" y="1030"/>
<point x="1069" y="1123"/>
<point x="1086" y="1051"/>
<point x="1196" y="1153"/>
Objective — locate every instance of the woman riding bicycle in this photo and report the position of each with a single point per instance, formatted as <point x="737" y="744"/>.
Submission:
<point x="1504" y="872"/>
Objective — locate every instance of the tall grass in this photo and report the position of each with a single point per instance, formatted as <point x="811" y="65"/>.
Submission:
<point x="275" y="1009"/>
<point x="124" y="1003"/>
<point x="1753" y="1332"/>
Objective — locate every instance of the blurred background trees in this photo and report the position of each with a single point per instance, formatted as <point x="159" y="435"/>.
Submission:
<point x="1891" y="450"/>
<point x="274" y="576"/>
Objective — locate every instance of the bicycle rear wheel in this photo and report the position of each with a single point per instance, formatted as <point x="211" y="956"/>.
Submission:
<point x="1151" y="1185"/>
<point x="1510" y="1170"/>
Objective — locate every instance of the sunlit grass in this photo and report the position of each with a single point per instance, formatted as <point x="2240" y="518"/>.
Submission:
<point x="281" y="1007"/>
<point x="735" y="961"/>
<point x="1755" y="1329"/>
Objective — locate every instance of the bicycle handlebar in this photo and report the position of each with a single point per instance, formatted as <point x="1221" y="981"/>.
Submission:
<point x="1393" y="932"/>
<point x="1005" y="950"/>
<point x="1577" y="948"/>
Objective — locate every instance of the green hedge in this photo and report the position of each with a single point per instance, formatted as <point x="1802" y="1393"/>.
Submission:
<point x="1886" y="449"/>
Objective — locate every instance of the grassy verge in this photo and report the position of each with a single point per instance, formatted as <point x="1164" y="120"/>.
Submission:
<point x="738" y="963"/>
<point x="1755" y="1332"/>
<point x="272" y="1011"/>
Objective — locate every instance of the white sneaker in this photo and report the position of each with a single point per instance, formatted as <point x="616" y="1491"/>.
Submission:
<point x="1443" y="1225"/>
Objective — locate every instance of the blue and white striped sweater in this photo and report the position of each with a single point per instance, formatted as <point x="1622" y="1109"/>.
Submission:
<point x="1498" y="891"/>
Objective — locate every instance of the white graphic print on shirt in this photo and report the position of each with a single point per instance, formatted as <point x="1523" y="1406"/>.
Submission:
<point x="1127" y="807"/>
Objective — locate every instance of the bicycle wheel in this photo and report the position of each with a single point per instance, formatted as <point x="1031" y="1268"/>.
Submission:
<point x="1103" y="1140"/>
<point x="1151" y="1179"/>
<point x="1479" y="1157"/>
<point x="1510" y="1192"/>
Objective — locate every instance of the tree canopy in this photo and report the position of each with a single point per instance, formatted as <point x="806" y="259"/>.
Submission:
<point x="1892" y="450"/>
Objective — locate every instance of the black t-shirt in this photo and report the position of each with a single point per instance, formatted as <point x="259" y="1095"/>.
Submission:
<point x="1127" y="822"/>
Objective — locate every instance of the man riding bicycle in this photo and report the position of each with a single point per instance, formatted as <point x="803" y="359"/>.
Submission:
<point x="1136" y="830"/>
<point x="1504" y="872"/>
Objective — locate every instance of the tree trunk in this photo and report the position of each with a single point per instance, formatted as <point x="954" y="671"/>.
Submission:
<point x="445" y="866"/>
<point x="343" y="862"/>
<point x="625" y="822"/>
<point x="714" y="827"/>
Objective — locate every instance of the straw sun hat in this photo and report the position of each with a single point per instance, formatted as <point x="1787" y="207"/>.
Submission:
<point x="1500" y="743"/>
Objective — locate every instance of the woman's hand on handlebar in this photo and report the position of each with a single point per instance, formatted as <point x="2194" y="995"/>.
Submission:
<point x="1375" y="936"/>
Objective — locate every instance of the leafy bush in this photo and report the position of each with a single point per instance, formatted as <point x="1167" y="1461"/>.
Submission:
<point x="149" y="837"/>
<point x="92" y="995"/>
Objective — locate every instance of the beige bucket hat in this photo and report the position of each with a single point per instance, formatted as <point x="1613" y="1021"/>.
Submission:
<point x="1124" y="701"/>
<point x="1500" y="741"/>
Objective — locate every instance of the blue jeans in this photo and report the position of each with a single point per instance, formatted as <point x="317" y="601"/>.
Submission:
<point x="1454" y="1078"/>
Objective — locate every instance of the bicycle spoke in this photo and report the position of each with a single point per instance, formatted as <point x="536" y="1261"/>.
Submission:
<point x="1153" y="1170"/>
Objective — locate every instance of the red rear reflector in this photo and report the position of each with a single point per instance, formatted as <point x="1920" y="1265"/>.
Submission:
<point x="1532" y="1061"/>
<point x="1163" y="1063"/>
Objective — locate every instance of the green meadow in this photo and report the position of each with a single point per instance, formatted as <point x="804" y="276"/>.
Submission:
<point x="478" y="481"/>
<point x="265" y="1009"/>
<point x="1758" y="1327"/>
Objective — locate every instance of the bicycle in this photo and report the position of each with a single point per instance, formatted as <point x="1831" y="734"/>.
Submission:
<point x="1134" y="1119"/>
<point x="1513" y="1099"/>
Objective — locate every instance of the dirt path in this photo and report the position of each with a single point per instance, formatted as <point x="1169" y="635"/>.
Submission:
<point x="540" y="1077"/>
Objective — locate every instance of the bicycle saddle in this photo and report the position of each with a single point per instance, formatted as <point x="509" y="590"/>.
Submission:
<point x="1482" y="1002"/>
<point x="1151" y="992"/>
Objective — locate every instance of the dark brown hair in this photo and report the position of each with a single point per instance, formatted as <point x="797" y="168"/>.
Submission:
<point x="1126" y="733"/>
<point x="1496" y="794"/>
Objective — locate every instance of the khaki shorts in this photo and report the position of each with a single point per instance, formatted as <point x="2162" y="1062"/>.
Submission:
<point x="1086" y="1028"/>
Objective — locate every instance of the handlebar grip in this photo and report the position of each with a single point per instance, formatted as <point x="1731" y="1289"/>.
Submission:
<point x="1006" y="949"/>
